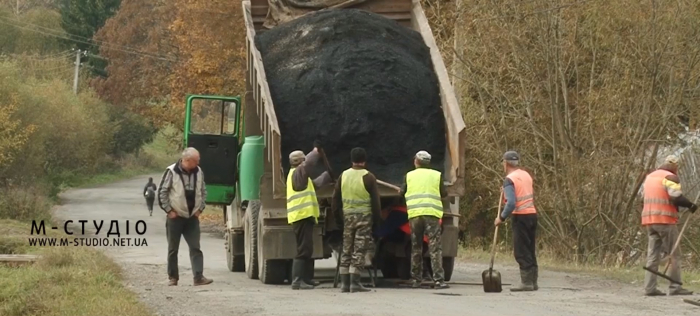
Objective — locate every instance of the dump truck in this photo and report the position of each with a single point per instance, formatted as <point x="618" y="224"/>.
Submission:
<point x="239" y="141"/>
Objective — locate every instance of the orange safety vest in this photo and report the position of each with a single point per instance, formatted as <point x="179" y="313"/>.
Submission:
<point x="524" y="198"/>
<point x="658" y="208"/>
<point x="406" y="227"/>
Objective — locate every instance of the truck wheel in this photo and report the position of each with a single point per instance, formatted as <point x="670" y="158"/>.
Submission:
<point x="234" y="263"/>
<point x="448" y="264"/>
<point x="250" y="241"/>
<point x="270" y="271"/>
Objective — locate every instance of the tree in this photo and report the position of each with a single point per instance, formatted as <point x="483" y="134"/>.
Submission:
<point x="140" y="57"/>
<point x="176" y="48"/>
<point x="81" y="19"/>
<point x="587" y="93"/>
<point x="31" y="41"/>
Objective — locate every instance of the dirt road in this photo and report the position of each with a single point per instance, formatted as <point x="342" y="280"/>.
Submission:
<point x="235" y="294"/>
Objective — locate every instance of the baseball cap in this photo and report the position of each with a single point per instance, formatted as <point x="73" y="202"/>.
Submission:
<point x="423" y="155"/>
<point x="673" y="159"/>
<point x="511" y="155"/>
<point x="297" y="157"/>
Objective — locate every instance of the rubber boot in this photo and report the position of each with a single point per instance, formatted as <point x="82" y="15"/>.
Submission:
<point x="534" y="279"/>
<point x="526" y="277"/>
<point x="298" y="275"/>
<point x="345" y="279"/>
<point x="309" y="272"/>
<point x="355" y="285"/>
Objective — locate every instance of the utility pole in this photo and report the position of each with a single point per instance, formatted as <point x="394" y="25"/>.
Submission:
<point x="77" y="70"/>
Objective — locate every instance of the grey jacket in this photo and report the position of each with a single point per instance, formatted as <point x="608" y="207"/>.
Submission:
<point x="172" y="191"/>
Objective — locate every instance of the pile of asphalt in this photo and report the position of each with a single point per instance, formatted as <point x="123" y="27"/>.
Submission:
<point x="352" y="78"/>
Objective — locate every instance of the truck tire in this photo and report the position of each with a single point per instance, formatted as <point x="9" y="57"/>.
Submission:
<point x="270" y="271"/>
<point x="448" y="264"/>
<point x="251" y="238"/>
<point x="234" y="263"/>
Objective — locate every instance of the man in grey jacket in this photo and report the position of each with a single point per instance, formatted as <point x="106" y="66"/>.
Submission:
<point x="181" y="195"/>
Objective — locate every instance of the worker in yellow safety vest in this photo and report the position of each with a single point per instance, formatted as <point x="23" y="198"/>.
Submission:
<point x="519" y="199"/>
<point x="356" y="197"/>
<point x="303" y="211"/>
<point x="424" y="192"/>
<point x="662" y="197"/>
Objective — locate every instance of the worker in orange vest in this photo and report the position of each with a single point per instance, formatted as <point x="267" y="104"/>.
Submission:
<point x="519" y="199"/>
<point x="662" y="197"/>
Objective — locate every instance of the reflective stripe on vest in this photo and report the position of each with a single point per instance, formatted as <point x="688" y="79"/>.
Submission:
<point x="423" y="193"/>
<point x="356" y="199"/>
<point x="301" y="204"/>
<point x="524" y="197"/>
<point x="658" y="208"/>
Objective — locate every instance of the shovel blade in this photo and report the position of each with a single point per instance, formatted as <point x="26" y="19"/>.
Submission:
<point x="492" y="281"/>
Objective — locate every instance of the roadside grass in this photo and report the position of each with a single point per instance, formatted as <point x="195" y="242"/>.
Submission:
<point x="68" y="281"/>
<point x="633" y="275"/>
<point x="65" y="281"/>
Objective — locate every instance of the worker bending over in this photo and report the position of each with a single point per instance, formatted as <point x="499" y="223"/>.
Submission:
<point x="662" y="197"/>
<point x="519" y="196"/>
<point x="423" y="191"/>
<point x="357" y="196"/>
<point x="303" y="212"/>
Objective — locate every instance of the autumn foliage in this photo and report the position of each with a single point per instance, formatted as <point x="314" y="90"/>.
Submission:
<point x="175" y="48"/>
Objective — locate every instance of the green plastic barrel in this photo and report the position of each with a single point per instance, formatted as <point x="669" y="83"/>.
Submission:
<point x="251" y="167"/>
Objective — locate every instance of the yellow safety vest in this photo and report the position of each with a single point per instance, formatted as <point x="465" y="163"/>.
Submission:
<point x="356" y="199"/>
<point x="301" y="204"/>
<point x="423" y="193"/>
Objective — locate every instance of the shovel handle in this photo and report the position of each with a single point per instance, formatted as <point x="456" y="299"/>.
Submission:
<point x="495" y="234"/>
<point x="389" y="185"/>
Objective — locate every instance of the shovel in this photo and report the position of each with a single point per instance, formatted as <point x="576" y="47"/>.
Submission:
<point x="492" y="278"/>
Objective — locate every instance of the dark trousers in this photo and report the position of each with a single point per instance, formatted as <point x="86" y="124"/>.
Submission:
<point x="304" y="233"/>
<point x="524" y="231"/>
<point x="189" y="228"/>
<point x="149" y="203"/>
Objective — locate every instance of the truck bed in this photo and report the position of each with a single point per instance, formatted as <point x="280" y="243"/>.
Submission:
<point x="408" y="13"/>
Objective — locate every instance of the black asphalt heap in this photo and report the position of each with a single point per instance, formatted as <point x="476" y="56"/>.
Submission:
<point x="353" y="78"/>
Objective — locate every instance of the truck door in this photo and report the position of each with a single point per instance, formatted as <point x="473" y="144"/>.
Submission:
<point x="211" y="126"/>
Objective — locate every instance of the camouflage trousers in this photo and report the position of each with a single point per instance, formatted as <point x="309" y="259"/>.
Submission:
<point x="357" y="235"/>
<point x="429" y="226"/>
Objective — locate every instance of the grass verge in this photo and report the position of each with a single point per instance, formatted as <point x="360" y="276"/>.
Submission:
<point x="67" y="280"/>
<point x="64" y="281"/>
<point x="631" y="275"/>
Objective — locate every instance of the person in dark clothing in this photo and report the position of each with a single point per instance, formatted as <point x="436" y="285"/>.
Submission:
<point x="149" y="191"/>
<point x="519" y="196"/>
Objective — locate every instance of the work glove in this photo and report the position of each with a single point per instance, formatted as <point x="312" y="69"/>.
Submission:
<point x="693" y="208"/>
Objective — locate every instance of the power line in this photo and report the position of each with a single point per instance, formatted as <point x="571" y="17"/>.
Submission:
<point x="105" y="43"/>
<point x="85" y="40"/>
<point x="115" y="47"/>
